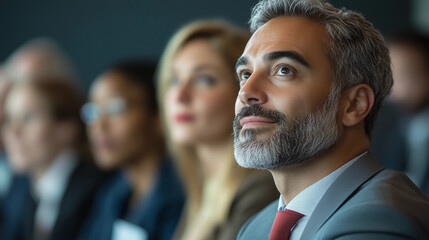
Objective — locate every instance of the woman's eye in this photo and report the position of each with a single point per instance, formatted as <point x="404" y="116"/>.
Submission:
<point x="205" y="81"/>
<point x="285" y="71"/>
<point x="28" y="117"/>
<point x="174" y="82"/>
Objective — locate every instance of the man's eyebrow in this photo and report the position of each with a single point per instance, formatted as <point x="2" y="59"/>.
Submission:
<point x="286" y="54"/>
<point x="241" y="61"/>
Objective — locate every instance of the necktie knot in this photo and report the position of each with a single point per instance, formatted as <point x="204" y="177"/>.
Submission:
<point x="283" y="224"/>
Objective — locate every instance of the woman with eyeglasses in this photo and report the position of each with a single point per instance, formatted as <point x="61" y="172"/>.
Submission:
<point x="144" y="199"/>
<point x="45" y="141"/>
<point x="198" y="89"/>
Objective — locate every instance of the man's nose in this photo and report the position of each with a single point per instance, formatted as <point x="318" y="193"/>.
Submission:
<point x="252" y="92"/>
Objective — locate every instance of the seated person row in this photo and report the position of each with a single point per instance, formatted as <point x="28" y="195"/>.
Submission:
<point x="125" y="133"/>
<point x="37" y="58"/>
<point x="144" y="197"/>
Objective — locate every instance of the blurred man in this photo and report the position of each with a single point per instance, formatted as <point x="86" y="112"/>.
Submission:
<point x="313" y="79"/>
<point x="38" y="58"/>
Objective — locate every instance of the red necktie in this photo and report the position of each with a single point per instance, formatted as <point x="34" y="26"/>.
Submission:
<point x="283" y="224"/>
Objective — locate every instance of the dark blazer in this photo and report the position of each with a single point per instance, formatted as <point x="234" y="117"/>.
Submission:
<point x="13" y="205"/>
<point x="19" y="206"/>
<point x="365" y="202"/>
<point x="157" y="214"/>
<point x="254" y="194"/>
<point x="425" y="186"/>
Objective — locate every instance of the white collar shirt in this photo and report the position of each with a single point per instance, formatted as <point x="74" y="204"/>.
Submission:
<point x="306" y="201"/>
<point x="50" y="189"/>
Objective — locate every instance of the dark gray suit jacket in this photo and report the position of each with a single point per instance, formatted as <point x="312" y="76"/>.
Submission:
<point x="365" y="202"/>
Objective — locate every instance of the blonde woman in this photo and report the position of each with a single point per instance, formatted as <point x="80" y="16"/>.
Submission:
<point x="197" y="91"/>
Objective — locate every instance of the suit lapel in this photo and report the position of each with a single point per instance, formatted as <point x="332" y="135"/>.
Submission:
<point x="69" y="204"/>
<point x="339" y="192"/>
<point x="425" y="184"/>
<point x="76" y="201"/>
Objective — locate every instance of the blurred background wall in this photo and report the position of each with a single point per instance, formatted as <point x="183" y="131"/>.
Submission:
<point x="96" y="32"/>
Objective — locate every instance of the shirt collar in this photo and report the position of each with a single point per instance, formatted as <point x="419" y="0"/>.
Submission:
<point x="305" y="202"/>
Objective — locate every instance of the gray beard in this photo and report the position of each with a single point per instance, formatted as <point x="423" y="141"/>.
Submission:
<point x="292" y="143"/>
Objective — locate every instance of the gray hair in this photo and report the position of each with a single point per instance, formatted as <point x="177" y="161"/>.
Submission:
<point x="357" y="51"/>
<point x="53" y="62"/>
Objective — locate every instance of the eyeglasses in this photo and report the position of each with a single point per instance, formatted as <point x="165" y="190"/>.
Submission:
<point x="91" y="112"/>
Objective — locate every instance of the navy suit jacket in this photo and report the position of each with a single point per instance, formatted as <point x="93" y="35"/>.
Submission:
<point x="19" y="206"/>
<point x="365" y="202"/>
<point x="13" y="206"/>
<point x="157" y="214"/>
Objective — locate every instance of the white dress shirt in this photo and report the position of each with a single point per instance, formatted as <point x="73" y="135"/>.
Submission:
<point x="126" y="230"/>
<point x="49" y="191"/>
<point x="305" y="202"/>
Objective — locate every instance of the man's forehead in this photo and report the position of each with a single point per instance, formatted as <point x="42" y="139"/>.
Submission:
<point x="298" y="34"/>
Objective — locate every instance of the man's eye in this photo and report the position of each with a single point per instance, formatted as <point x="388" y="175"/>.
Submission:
<point x="244" y="75"/>
<point x="285" y="71"/>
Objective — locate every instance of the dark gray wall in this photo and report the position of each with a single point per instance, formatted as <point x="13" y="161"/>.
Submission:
<point x="96" y="32"/>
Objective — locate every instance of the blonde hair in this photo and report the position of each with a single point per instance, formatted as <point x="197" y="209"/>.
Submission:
<point x="208" y="202"/>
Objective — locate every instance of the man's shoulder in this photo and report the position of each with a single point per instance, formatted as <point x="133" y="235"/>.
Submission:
<point x="389" y="187"/>
<point x="377" y="221"/>
<point x="259" y="226"/>
<point x="363" y="184"/>
<point x="387" y="205"/>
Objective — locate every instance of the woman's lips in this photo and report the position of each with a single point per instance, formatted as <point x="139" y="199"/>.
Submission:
<point x="184" y="118"/>
<point x="104" y="144"/>
<point x="252" y="121"/>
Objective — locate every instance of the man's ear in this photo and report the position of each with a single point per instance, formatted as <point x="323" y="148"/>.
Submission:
<point x="356" y="104"/>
